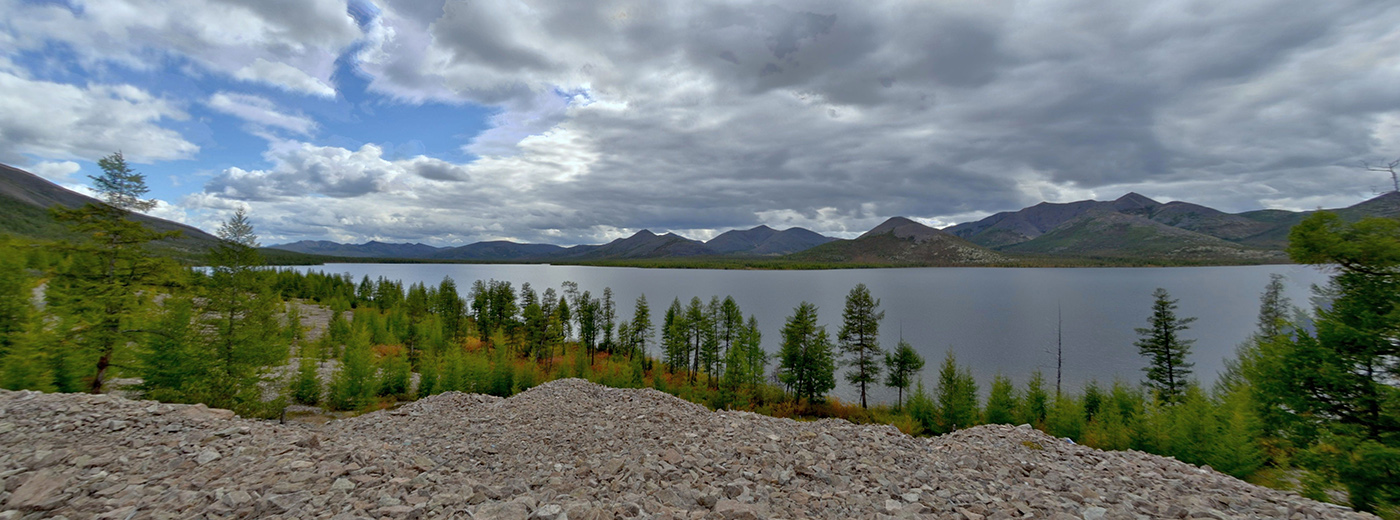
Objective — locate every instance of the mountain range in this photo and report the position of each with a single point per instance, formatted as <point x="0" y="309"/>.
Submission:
<point x="761" y="241"/>
<point x="1130" y="230"/>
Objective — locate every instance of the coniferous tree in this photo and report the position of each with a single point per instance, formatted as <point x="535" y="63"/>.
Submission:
<point x="429" y="377"/>
<point x="859" y="339"/>
<point x="239" y="318"/>
<point x="626" y="339"/>
<point x="15" y="296"/>
<point x="957" y="396"/>
<point x="480" y="296"/>
<point x="1002" y="402"/>
<point x="589" y="312"/>
<point x="22" y="361"/>
<point x="307" y="388"/>
<point x="353" y="385"/>
<point x="641" y="324"/>
<point x="674" y="337"/>
<point x="566" y="319"/>
<point x="395" y="376"/>
<point x="451" y="310"/>
<point x="922" y="408"/>
<point x="1036" y="404"/>
<point x="757" y="364"/>
<point x="710" y="346"/>
<point x="1092" y="400"/>
<point x="1332" y="386"/>
<point x="100" y="288"/>
<point x="730" y="324"/>
<point x="695" y="334"/>
<point x="1168" y="371"/>
<point x="33" y="364"/>
<point x="417" y="306"/>
<point x="807" y="365"/>
<point x="536" y="330"/>
<point x="173" y="364"/>
<point x="607" y="319"/>
<point x="901" y="367"/>
<point x="1065" y="419"/>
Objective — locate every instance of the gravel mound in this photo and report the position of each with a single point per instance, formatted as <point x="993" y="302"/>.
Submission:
<point x="571" y="449"/>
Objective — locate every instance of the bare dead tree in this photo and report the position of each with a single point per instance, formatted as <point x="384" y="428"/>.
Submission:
<point x="1387" y="168"/>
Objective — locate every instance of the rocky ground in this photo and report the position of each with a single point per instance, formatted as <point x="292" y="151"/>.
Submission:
<point x="571" y="449"/>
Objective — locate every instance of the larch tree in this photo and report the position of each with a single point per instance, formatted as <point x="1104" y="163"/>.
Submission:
<point x="101" y="287"/>
<point x="641" y="325"/>
<point x="901" y="367"/>
<point x="860" y="339"/>
<point x="806" y="364"/>
<point x="239" y="317"/>
<point x="1168" y="371"/>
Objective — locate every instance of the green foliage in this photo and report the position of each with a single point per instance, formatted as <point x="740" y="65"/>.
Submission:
<point x="238" y="317"/>
<point x="1002" y="403"/>
<point x="15" y="295"/>
<point x="353" y="385"/>
<point x="923" y="410"/>
<point x="1237" y="450"/>
<point x="901" y="367"/>
<point x="120" y="186"/>
<point x="428" y="377"/>
<point x="29" y="363"/>
<point x="395" y="376"/>
<point x="1168" y="372"/>
<point x="1330" y="388"/>
<point x="1066" y="417"/>
<point x="502" y="374"/>
<point x="859" y="339"/>
<point x="806" y="364"/>
<point x="1036" y="404"/>
<point x="173" y="366"/>
<point x="1194" y="430"/>
<point x="22" y="365"/>
<point x="1108" y="430"/>
<point x="307" y="387"/>
<point x="957" y="397"/>
<point x="102" y="287"/>
<point x="674" y="338"/>
<point x="641" y="326"/>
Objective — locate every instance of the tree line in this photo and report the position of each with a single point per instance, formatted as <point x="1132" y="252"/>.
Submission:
<point x="1312" y="390"/>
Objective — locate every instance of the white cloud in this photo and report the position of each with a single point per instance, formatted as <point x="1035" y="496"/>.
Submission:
<point x="290" y="45"/>
<point x="834" y="115"/>
<point x="57" y="172"/>
<point x="285" y="76"/>
<point x="260" y="111"/>
<point x="60" y="121"/>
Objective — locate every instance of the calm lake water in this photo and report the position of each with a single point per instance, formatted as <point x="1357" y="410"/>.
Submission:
<point x="994" y="320"/>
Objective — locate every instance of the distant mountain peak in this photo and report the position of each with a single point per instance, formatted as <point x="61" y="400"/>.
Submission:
<point x="1133" y="199"/>
<point x="903" y="227"/>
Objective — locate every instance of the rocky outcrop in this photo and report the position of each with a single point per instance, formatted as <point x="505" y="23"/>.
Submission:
<point x="571" y="449"/>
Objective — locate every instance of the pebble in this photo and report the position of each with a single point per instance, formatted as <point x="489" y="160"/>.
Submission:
<point x="569" y="449"/>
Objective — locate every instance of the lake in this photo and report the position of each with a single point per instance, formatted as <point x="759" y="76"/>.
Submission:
<point x="995" y="320"/>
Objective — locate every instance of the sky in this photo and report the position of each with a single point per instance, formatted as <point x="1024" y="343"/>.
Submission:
<point x="449" y="122"/>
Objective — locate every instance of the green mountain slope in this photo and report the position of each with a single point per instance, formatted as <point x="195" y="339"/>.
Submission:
<point x="25" y="200"/>
<point x="900" y="241"/>
<point x="1113" y="235"/>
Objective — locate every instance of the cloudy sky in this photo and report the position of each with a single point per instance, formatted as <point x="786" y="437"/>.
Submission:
<point x="449" y="122"/>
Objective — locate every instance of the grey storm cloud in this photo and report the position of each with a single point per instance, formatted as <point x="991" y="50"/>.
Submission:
<point x="696" y="116"/>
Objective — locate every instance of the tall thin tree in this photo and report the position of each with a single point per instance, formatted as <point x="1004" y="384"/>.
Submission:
<point x="859" y="338"/>
<point x="1168" y="371"/>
